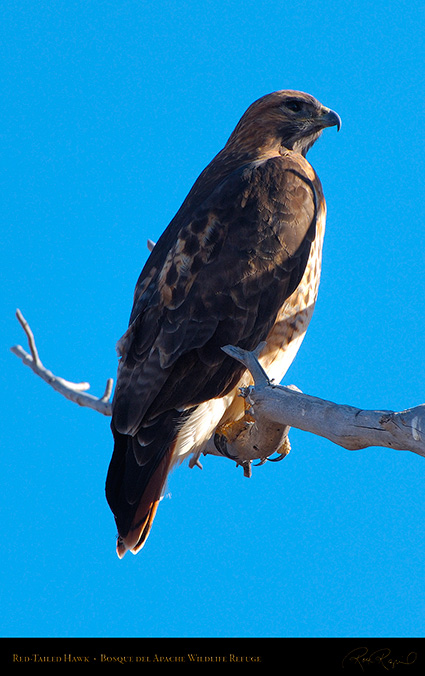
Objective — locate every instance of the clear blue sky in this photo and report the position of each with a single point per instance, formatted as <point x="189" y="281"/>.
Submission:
<point x="109" y="111"/>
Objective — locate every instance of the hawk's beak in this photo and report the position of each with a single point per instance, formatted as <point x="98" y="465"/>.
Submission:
<point x="330" y="119"/>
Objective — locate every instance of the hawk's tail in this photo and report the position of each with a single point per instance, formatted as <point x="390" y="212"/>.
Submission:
<point x="145" y="513"/>
<point x="136" y="480"/>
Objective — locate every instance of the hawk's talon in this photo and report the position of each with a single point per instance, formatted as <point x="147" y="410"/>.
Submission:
<point x="279" y="457"/>
<point x="262" y="462"/>
<point x="220" y="442"/>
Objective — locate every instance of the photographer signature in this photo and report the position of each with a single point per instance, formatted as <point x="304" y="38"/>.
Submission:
<point x="383" y="657"/>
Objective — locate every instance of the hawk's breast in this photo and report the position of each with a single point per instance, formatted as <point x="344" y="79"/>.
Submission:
<point x="294" y="316"/>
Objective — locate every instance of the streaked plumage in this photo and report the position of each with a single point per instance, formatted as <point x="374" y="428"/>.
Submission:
<point x="238" y="264"/>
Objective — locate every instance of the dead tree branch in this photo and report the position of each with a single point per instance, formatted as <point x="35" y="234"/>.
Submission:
<point x="274" y="410"/>
<point x="76" y="392"/>
<point x="346" y="426"/>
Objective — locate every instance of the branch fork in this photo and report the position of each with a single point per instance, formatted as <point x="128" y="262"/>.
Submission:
<point x="76" y="392"/>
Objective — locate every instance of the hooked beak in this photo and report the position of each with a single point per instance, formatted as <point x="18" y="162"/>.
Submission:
<point x="330" y="119"/>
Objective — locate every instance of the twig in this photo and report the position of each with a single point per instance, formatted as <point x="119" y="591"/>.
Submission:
<point x="76" y="392"/>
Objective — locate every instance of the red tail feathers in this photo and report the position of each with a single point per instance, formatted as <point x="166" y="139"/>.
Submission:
<point x="145" y="513"/>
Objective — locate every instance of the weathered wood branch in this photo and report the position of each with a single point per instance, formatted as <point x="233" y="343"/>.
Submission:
<point x="274" y="410"/>
<point x="344" y="425"/>
<point x="76" y="392"/>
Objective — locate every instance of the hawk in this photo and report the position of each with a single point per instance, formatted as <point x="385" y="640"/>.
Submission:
<point x="239" y="264"/>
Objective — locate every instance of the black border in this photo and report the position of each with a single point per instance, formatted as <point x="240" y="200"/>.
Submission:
<point x="288" y="655"/>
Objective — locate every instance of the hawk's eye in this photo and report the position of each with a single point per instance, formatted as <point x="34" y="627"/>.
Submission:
<point x="295" y="106"/>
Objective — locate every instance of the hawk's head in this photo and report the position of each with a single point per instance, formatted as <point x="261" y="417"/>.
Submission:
<point x="289" y="118"/>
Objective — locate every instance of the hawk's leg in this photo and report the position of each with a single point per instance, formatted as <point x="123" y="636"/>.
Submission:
<point x="247" y="439"/>
<point x="228" y="433"/>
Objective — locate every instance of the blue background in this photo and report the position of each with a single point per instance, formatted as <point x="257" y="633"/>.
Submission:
<point x="109" y="111"/>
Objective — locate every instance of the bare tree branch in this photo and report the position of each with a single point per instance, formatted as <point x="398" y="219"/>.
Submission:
<point x="347" y="426"/>
<point x="274" y="410"/>
<point x="76" y="392"/>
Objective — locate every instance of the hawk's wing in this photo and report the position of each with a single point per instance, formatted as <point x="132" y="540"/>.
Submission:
<point x="216" y="277"/>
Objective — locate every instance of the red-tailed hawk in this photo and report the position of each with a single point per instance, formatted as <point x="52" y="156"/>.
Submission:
<point x="239" y="264"/>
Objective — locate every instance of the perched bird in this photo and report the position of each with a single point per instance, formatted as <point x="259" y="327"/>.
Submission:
<point x="238" y="264"/>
